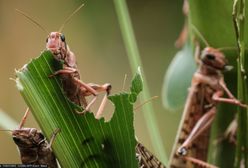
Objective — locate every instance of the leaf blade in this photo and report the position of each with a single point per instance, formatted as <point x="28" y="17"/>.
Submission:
<point x="83" y="141"/>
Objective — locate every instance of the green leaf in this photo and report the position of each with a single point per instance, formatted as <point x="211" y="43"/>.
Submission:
<point x="239" y="10"/>
<point x="137" y="85"/>
<point x="214" y="24"/>
<point x="178" y="78"/>
<point x="83" y="141"/>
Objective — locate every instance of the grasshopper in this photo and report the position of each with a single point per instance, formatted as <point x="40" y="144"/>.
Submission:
<point x="32" y="145"/>
<point x="206" y="91"/>
<point x="145" y="158"/>
<point x="75" y="89"/>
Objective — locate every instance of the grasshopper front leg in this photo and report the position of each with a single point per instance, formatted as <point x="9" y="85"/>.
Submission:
<point x="87" y="89"/>
<point x="217" y="98"/>
<point x="65" y="70"/>
<point x="231" y="99"/>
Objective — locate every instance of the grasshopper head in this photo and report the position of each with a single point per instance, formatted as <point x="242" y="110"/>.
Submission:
<point x="27" y="137"/>
<point x="55" y="42"/>
<point x="214" y="58"/>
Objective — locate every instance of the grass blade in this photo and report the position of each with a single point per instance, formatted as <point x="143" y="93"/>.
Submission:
<point x="135" y="61"/>
<point x="239" y="25"/>
<point x="6" y="122"/>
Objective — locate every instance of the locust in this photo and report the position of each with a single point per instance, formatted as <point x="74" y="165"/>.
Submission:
<point x="145" y="158"/>
<point x="207" y="90"/>
<point x="75" y="89"/>
<point x="33" y="146"/>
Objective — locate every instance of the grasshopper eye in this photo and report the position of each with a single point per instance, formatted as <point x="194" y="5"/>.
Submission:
<point x="62" y="37"/>
<point x="210" y="57"/>
<point x="41" y="136"/>
<point x="16" y="139"/>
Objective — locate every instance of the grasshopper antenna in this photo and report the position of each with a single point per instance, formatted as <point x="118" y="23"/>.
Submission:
<point x="32" y="20"/>
<point x="69" y="17"/>
<point x="200" y="35"/>
<point x="227" y="48"/>
<point x="147" y="101"/>
<point x="7" y="130"/>
<point x="230" y="48"/>
<point x="207" y="44"/>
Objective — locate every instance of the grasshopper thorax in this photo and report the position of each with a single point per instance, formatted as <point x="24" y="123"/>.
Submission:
<point x="214" y="59"/>
<point x="27" y="137"/>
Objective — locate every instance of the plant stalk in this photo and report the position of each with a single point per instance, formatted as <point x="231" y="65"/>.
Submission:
<point x="135" y="61"/>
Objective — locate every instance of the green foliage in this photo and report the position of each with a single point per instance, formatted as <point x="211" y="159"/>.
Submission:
<point x="239" y="16"/>
<point x="178" y="78"/>
<point x="83" y="141"/>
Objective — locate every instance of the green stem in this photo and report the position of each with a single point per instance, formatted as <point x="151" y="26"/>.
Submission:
<point x="135" y="61"/>
<point x="6" y="122"/>
<point x="239" y="24"/>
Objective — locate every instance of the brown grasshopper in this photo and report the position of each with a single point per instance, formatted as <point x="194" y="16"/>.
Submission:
<point x="146" y="159"/>
<point x="206" y="91"/>
<point x="75" y="89"/>
<point x="32" y="145"/>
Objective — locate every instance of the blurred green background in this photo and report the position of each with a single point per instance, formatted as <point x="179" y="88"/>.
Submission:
<point x="94" y="36"/>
